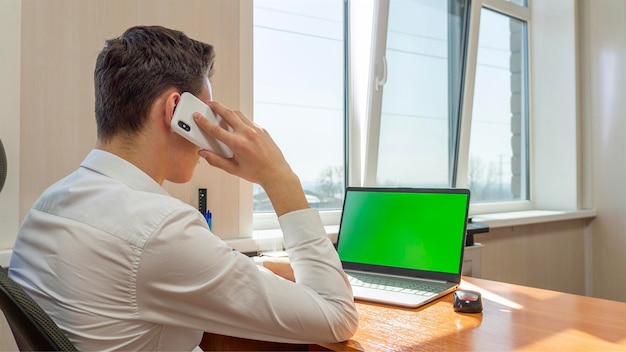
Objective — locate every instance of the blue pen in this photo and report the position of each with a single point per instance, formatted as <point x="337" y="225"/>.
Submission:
<point x="209" y="219"/>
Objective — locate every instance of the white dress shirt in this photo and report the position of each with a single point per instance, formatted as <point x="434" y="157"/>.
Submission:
<point x="121" y="265"/>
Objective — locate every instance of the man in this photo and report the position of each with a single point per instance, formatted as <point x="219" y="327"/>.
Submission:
<point x="121" y="265"/>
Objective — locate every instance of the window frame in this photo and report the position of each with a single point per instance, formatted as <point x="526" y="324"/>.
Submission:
<point x="523" y="14"/>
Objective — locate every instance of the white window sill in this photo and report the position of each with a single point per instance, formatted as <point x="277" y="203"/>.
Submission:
<point x="271" y="240"/>
<point x="528" y="217"/>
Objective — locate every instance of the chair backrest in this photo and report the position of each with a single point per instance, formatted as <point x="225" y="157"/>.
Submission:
<point x="32" y="328"/>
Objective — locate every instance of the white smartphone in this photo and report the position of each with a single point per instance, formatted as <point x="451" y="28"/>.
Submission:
<point x="184" y="125"/>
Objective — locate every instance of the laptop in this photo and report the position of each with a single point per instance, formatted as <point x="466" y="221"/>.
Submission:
<point x="403" y="246"/>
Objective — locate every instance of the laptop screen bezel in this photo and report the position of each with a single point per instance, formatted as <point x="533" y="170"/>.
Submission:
<point x="404" y="272"/>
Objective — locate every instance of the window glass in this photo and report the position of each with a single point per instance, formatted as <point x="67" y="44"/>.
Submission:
<point x="299" y="92"/>
<point x="420" y="102"/>
<point x="498" y="156"/>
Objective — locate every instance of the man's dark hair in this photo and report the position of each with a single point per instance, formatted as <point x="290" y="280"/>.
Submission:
<point x="134" y="69"/>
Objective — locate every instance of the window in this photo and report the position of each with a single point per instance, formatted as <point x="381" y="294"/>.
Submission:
<point x="407" y="121"/>
<point x="299" y="93"/>
<point x="498" y="154"/>
<point x="416" y="88"/>
<point x="422" y="55"/>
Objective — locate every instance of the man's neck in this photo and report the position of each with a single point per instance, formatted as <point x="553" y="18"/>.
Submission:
<point x="134" y="153"/>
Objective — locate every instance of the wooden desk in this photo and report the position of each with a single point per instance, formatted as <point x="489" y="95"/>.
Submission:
<point x="514" y="318"/>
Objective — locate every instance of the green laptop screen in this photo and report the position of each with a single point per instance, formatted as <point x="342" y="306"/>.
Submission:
<point x="410" y="229"/>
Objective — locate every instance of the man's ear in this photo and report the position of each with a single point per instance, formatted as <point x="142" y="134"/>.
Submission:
<point x="171" y="101"/>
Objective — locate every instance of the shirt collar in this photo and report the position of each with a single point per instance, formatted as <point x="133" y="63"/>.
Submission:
<point x="113" y="166"/>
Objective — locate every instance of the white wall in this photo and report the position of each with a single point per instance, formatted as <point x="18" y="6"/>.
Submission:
<point x="546" y="255"/>
<point x="554" y="181"/>
<point x="603" y="78"/>
<point x="10" y="47"/>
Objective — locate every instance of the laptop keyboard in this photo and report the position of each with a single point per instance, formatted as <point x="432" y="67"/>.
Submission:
<point x="395" y="284"/>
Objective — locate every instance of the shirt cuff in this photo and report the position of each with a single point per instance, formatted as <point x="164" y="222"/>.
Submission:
<point x="301" y="225"/>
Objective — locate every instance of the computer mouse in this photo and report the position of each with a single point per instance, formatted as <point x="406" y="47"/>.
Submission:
<point x="466" y="301"/>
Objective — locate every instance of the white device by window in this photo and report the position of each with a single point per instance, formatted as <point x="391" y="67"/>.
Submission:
<point x="183" y="124"/>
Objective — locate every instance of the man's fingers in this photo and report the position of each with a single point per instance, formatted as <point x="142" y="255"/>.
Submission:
<point x="232" y="118"/>
<point x="211" y="129"/>
<point x="215" y="160"/>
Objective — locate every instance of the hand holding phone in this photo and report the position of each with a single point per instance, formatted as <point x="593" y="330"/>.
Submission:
<point x="183" y="124"/>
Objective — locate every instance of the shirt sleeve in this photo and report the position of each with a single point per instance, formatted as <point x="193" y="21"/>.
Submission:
<point x="190" y="278"/>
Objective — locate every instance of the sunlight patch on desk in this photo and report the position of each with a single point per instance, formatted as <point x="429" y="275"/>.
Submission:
<point x="570" y="340"/>
<point x="544" y="295"/>
<point x="488" y="295"/>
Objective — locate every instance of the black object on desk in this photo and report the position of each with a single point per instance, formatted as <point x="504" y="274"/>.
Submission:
<point x="466" y="301"/>
<point x="472" y="229"/>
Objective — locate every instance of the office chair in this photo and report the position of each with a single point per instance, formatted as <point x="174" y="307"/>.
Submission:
<point x="32" y="328"/>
